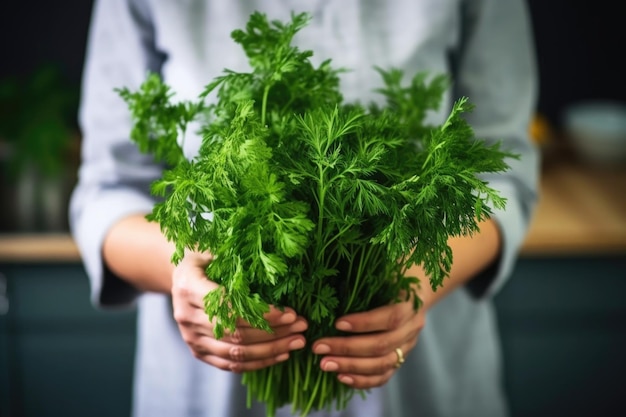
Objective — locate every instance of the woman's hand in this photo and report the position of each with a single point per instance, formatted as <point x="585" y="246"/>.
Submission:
<point x="245" y="349"/>
<point x="368" y="358"/>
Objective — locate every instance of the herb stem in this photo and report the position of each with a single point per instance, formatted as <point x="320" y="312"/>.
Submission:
<point x="266" y="92"/>
<point x="318" y="382"/>
<point x="307" y="377"/>
<point x="321" y="191"/>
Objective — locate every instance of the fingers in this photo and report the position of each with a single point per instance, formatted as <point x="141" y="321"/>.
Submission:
<point x="240" y="358"/>
<point x="275" y="317"/>
<point x="278" y="317"/>
<point x="366" y="381"/>
<point x="375" y="333"/>
<point x="385" y="318"/>
<point x="236" y="367"/>
<point x="368" y="357"/>
<point x="366" y="372"/>
<point x="362" y="346"/>
<point x="195" y="319"/>
<point x="244" y="349"/>
<point x="245" y="335"/>
<point x="190" y="283"/>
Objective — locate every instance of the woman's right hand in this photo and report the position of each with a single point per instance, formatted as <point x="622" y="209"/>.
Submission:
<point x="245" y="349"/>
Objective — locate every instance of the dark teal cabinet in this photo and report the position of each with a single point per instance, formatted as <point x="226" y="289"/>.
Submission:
<point x="59" y="356"/>
<point x="563" y="323"/>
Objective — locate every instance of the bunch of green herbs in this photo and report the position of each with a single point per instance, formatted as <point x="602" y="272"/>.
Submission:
<point x="308" y="201"/>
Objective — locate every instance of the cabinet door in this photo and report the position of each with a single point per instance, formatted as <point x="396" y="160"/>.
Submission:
<point x="64" y="357"/>
<point x="4" y="346"/>
<point x="563" y="323"/>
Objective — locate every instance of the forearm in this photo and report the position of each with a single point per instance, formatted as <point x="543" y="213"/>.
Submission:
<point x="471" y="255"/>
<point x="136" y="251"/>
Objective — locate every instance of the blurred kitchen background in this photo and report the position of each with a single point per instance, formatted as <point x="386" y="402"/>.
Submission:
<point x="562" y="315"/>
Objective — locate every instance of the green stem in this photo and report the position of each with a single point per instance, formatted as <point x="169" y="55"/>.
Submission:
<point x="363" y="266"/>
<point x="266" y="92"/>
<point x="335" y="236"/>
<point x="294" y="378"/>
<point x="307" y="377"/>
<point x="321" y="191"/>
<point x="312" y="396"/>
<point x="246" y="380"/>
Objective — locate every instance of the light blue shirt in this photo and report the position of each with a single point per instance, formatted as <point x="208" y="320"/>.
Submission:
<point x="455" y="369"/>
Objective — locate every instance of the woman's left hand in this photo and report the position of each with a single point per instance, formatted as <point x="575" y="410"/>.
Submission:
<point x="368" y="357"/>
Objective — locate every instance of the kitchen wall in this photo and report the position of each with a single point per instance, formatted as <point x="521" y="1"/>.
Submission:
<point x="579" y="45"/>
<point x="39" y="31"/>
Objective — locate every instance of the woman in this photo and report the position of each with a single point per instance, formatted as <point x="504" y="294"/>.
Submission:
<point x="452" y="364"/>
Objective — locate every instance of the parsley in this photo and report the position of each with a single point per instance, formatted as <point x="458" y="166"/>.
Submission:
<point x="308" y="201"/>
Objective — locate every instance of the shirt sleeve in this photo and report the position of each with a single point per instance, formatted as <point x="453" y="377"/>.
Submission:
<point x="496" y="70"/>
<point x="113" y="178"/>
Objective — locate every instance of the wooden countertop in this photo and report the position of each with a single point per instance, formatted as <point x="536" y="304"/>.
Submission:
<point x="40" y="247"/>
<point x="582" y="210"/>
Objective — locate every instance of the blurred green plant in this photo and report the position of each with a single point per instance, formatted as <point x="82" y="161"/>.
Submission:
<point x="38" y="121"/>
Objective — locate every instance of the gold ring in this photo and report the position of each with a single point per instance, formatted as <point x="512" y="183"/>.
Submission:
<point x="400" y="360"/>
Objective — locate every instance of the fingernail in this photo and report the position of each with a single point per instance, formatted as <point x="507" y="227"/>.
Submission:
<point x="287" y="318"/>
<point x="321" y="349"/>
<point x="331" y="366"/>
<point x="282" y="357"/>
<point x="296" y="344"/>
<point x="346" y="380"/>
<point x="298" y="326"/>
<point x="343" y="325"/>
